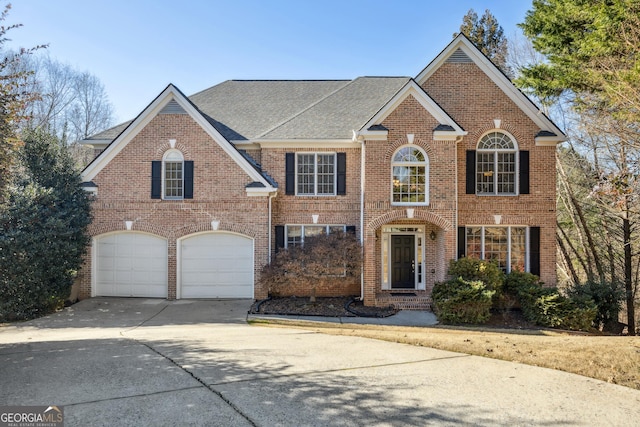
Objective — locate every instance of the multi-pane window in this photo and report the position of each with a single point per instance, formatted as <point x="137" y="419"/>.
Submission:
<point x="173" y="172"/>
<point x="505" y="245"/>
<point x="409" y="180"/>
<point x="496" y="167"/>
<point x="316" y="174"/>
<point x="296" y="234"/>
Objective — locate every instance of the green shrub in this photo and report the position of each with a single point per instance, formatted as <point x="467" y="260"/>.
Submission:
<point x="546" y="306"/>
<point x="476" y="269"/>
<point x="608" y="298"/>
<point x="43" y="230"/>
<point x="462" y="301"/>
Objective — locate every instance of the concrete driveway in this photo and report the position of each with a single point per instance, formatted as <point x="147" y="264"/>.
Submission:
<point x="141" y="362"/>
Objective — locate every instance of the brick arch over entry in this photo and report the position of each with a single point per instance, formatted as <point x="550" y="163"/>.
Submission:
<point x="376" y="223"/>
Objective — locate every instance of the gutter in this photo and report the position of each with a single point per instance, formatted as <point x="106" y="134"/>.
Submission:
<point x="358" y="137"/>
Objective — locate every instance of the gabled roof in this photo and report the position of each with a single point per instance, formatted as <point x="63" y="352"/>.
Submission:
<point x="461" y="49"/>
<point x="446" y="129"/>
<point x="172" y="97"/>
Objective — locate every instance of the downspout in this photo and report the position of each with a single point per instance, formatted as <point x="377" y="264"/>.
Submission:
<point x="362" y="180"/>
<point x="271" y="196"/>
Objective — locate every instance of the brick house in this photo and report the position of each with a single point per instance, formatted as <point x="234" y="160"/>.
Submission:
<point x="195" y="195"/>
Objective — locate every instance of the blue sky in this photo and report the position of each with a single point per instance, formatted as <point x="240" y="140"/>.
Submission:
<point x="137" y="47"/>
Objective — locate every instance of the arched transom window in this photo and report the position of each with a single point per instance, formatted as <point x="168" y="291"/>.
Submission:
<point x="173" y="173"/>
<point x="410" y="176"/>
<point x="496" y="164"/>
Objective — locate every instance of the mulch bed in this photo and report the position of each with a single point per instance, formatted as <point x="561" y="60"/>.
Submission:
<point x="336" y="307"/>
<point x="327" y="307"/>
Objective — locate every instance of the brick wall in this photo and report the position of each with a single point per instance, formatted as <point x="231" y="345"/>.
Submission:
<point x="124" y="194"/>
<point x="474" y="101"/>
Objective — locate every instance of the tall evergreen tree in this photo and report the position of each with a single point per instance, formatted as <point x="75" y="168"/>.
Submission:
<point x="592" y="50"/>
<point x="488" y="36"/>
<point x="43" y="229"/>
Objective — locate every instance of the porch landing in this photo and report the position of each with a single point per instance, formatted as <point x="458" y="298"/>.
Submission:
<point x="403" y="300"/>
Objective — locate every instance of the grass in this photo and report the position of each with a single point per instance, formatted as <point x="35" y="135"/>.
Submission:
<point x="614" y="359"/>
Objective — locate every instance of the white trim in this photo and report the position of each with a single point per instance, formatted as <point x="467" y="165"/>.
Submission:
<point x="515" y="151"/>
<point x="315" y="173"/>
<point x="413" y="89"/>
<point x="321" y="144"/>
<point x="427" y="166"/>
<point x="169" y="94"/>
<point x="302" y="227"/>
<point x="261" y="191"/>
<point x="502" y="81"/>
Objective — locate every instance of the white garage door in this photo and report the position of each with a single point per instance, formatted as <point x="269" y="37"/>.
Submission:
<point x="131" y="265"/>
<point x="216" y="265"/>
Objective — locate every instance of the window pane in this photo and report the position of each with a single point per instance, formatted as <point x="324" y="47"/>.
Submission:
<point x="306" y="173"/>
<point x="506" y="178"/>
<point x="409" y="184"/>
<point x="294" y="235"/>
<point x="496" y="245"/>
<point x="485" y="172"/>
<point x="518" y="249"/>
<point x="409" y="154"/>
<point x="173" y="179"/>
<point x="314" y="230"/>
<point x="326" y="165"/>
<point x="474" y="242"/>
<point x="336" y="229"/>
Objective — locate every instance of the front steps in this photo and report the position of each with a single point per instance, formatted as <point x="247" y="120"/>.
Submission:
<point x="414" y="300"/>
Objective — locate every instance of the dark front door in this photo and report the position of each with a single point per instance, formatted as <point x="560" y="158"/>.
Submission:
<point x="403" y="262"/>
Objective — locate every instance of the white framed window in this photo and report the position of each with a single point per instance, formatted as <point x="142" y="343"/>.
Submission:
<point x="316" y="174"/>
<point x="497" y="164"/>
<point x="505" y="245"/>
<point x="296" y="234"/>
<point x="173" y="175"/>
<point x="410" y="176"/>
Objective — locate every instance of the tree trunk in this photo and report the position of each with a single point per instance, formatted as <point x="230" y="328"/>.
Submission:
<point x="628" y="280"/>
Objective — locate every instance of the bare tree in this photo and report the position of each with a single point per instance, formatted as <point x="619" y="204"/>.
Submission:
<point x="90" y="111"/>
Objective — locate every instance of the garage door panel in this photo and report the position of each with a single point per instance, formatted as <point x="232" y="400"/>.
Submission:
<point x="216" y="265"/>
<point x="131" y="264"/>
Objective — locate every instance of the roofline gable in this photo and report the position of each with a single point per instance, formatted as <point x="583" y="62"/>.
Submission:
<point x="413" y="89"/>
<point x="171" y="92"/>
<point x="498" y="77"/>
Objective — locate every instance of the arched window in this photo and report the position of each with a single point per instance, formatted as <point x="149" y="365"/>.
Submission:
<point x="496" y="164"/>
<point x="410" y="176"/>
<point x="173" y="175"/>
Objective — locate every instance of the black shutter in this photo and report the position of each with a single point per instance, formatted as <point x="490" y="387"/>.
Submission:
<point x="351" y="229"/>
<point x="279" y="237"/>
<point x="342" y="174"/>
<point x="462" y="242"/>
<point x="188" y="179"/>
<point x="156" y="179"/>
<point x="290" y="170"/>
<point x="524" y="172"/>
<point x="471" y="172"/>
<point x="534" y="250"/>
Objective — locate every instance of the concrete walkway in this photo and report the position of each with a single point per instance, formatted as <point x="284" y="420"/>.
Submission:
<point x="141" y="362"/>
<point x="402" y="318"/>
